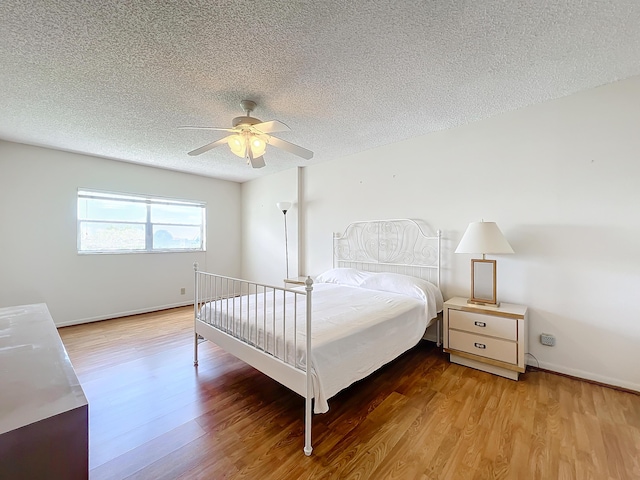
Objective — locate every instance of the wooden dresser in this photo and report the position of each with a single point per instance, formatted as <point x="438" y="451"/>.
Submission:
<point x="44" y="429"/>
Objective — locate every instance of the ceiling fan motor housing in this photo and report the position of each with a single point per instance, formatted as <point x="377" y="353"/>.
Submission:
<point x="245" y="120"/>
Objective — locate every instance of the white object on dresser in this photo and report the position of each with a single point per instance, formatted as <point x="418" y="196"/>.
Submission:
<point x="492" y="339"/>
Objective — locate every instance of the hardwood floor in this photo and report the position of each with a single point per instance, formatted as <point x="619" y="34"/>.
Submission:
<point x="153" y="415"/>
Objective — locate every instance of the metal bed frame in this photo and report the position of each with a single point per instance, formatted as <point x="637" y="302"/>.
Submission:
<point x="398" y="246"/>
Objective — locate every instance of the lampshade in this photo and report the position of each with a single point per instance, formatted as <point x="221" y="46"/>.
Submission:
<point x="257" y="145"/>
<point x="483" y="237"/>
<point x="283" y="206"/>
<point x="237" y="145"/>
<point x="240" y="142"/>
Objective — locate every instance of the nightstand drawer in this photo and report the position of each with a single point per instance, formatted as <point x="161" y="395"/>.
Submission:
<point x="483" y="324"/>
<point x="494" y="348"/>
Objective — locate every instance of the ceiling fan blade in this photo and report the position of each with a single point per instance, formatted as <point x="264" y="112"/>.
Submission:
<point x="208" y="147"/>
<point x="219" y="129"/>
<point x="272" y="126"/>
<point x="257" y="162"/>
<point x="291" y="148"/>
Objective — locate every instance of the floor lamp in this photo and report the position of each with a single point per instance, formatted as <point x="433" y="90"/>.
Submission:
<point x="284" y="207"/>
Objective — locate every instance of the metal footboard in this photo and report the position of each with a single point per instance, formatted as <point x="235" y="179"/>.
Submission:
<point x="266" y="326"/>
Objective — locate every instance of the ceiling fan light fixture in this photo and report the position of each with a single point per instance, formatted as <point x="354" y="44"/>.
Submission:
<point x="250" y="136"/>
<point x="237" y="145"/>
<point x="258" y="145"/>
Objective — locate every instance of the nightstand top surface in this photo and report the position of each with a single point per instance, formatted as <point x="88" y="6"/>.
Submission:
<point x="296" y="280"/>
<point x="510" y="308"/>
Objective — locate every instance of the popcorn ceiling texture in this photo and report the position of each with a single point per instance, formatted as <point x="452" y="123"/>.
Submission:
<point x="115" y="79"/>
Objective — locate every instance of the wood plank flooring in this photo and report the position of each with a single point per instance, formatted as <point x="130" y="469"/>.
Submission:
<point x="153" y="415"/>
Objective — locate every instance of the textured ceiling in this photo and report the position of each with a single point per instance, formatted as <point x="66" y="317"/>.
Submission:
<point x="115" y="79"/>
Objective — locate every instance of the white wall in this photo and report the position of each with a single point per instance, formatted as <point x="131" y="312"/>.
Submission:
<point x="38" y="254"/>
<point x="263" y="234"/>
<point x="561" y="179"/>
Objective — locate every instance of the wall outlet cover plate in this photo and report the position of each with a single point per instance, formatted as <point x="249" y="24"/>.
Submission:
<point x="547" y="339"/>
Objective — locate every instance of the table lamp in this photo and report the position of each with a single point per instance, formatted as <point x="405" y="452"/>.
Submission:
<point x="483" y="238"/>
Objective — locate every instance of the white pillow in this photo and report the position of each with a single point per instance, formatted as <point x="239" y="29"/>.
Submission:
<point x="343" y="276"/>
<point x="407" y="285"/>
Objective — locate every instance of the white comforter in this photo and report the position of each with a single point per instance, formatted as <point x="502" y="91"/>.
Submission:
<point x="354" y="331"/>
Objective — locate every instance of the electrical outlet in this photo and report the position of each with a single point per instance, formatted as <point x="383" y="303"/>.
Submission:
<point x="183" y="291"/>
<point x="547" y="339"/>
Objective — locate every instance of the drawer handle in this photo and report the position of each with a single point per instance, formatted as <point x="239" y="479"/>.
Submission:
<point x="480" y="324"/>
<point x="480" y="345"/>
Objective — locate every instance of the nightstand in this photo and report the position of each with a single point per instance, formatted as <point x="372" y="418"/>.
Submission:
<point x="294" y="282"/>
<point x="492" y="339"/>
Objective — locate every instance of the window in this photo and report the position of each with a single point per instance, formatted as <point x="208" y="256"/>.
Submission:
<point x="123" y="223"/>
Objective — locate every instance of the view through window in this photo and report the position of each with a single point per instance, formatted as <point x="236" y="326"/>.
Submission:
<point x="124" y="223"/>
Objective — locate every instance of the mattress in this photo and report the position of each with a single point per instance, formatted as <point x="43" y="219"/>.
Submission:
<point x="354" y="330"/>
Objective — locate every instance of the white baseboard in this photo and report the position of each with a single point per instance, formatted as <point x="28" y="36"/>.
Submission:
<point x="122" y="314"/>
<point x="615" y="382"/>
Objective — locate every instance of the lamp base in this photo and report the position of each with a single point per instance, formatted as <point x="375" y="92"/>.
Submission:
<point x="486" y="304"/>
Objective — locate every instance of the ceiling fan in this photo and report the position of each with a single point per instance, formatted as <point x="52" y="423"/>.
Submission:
<point x="249" y="138"/>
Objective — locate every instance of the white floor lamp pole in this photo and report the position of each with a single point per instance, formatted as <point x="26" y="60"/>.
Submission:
<point x="284" y="207"/>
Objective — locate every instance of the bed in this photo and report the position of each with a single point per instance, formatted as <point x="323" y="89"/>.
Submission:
<point x="374" y="304"/>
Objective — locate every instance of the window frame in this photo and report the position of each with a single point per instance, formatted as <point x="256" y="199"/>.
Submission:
<point x="148" y="201"/>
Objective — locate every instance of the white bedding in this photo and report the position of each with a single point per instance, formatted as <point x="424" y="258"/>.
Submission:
<point x="354" y="330"/>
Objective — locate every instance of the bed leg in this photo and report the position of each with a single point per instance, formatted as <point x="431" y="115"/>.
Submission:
<point x="307" y="427"/>
<point x="195" y="350"/>
<point x="309" y="396"/>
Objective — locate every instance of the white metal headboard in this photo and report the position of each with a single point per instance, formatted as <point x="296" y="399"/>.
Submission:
<point x="398" y="246"/>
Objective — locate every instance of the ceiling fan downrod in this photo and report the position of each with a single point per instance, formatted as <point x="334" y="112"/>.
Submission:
<point x="248" y="106"/>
